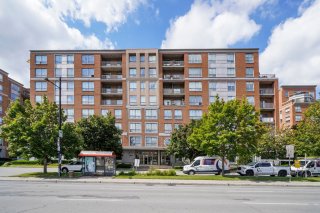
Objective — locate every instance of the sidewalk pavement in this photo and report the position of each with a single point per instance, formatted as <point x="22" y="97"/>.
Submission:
<point x="111" y="180"/>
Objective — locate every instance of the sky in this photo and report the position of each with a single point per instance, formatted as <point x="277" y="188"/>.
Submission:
<point x="287" y="32"/>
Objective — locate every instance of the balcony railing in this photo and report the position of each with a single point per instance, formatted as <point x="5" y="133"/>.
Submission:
<point x="173" y="103"/>
<point x="266" y="105"/>
<point x="173" y="91"/>
<point x="266" y="92"/>
<point x="111" y="63"/>
<point x="267" y="119"/>
<point x="267" y="75"/>
<point x="111" y="90"/>
<point x="112" y="77"/>
<point x="173" y="77"/>
<point x="173" y="63"/>
<point x="111" y="102"/>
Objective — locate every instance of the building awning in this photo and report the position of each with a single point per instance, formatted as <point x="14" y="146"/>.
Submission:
<point x="97" y="154"/>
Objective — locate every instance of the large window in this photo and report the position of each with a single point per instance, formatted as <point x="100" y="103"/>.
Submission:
<point x="178" y="114"/>
<point x="167" y="128"/>
<point x="142" y="86"/>
<point x="87" y="73"/>
<point x="41" y="86"/>
<point x="152" y="72"/>
<point x="142" y="100"/>
<point x="152" y="85"/>
<point x="133" y="86"/>
<point x="212" y="72"/>
<point x="142" y="72"/>
<point x="152" y="100"/>
<point x="167" y="114"/>
<point x="249" y="86"/>
<point x="87" y="59"/>
<point x="135" y="127"/>
<point x="297" y="108"/>
<point x="231" y="72"/>
<point x="135" y="114"/>
<point x="88" y="99"/>
<point x="70" y="114"/>
<point x="195" y="58"/>
<point x="39" y="99"/>
<point x="151" y="141"/>
<point x="231" y="86"/>
<point x="58" y="59"/>
<point x="118" y="113"/>
<point x="212" y="57"/>
<point x="133" y="100"/>
<point x="65" y="99"/>
<point x="70" y="59"/>
<point x="1" y="77"/>
<point x="195" y="86"/>
<point x="151" y="127"/>
<point x="135" y="140"/>
<point x="195" y="100"/>
<point x="41" y="73"/>
<point x="152" y="58"/>
<point x="133" y="72"/>
<point x="151" y="114"/>
<point x="41" y="59"/>
<point x="87" y="86"/>
<point x="69" y="72"/>
<point x="249" y="72"/>
<point x="249" y="58"/>
<point x="142" y="57"/>
<point x="132" y="58"/>
<point x="104" y="112"/>
<point x="298" y="118"/>
<point x="230" y="58"/>
<point x="250" y="100"/>
<point x="195" y="114"/>
<point x="87" y="112"/>
<point x="195" y="72"/>
<point x="213" y="86"/>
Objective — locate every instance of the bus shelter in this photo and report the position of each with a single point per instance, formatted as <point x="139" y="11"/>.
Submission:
<point x="98" y="163"/>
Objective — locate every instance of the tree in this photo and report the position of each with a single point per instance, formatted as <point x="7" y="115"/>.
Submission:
<point x="308" y="132"/>
<point x="33" y="131"/>
<point x="179" y="146"/>
<point x="100" y="134"/>
<point x="229" y="129"/>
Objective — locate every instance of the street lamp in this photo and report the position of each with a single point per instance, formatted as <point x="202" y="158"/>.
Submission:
<point x="60" y="124"/>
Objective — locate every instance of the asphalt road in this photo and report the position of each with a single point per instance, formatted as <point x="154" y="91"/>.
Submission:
<point x="16" y="196"/>
<point x="11" y="171"/>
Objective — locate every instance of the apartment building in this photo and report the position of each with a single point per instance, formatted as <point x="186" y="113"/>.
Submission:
<point x="10" y="90"/>
<point x="293" y="102"/>
<point x="151" y="91"/>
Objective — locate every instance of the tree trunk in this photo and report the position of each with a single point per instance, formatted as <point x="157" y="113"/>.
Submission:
<point x="45" y="165"/>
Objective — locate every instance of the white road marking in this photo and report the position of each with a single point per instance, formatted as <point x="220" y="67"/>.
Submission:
<point x="91" y="199"/>
<point x="292" y="204"/>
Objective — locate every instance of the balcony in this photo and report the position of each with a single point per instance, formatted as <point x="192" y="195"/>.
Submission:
<point x="111" y="77"/>
<point x="111" y="64"/>
<point x="267" y="119"/>
<point x="266" y="91"/>
<point x="173" y="63"/>
<point x="302" y="98"/>
<point x="173" y="103"/>
<point x="173" y="78"/>
<point x="267" y="76"/>
<point x="267" y="106"/>
<point x="110" y="102"/>
<point x="111" y="91"/>
<point x="173" y="92"/>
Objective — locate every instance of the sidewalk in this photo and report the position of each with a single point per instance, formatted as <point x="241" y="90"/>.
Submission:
<point x="110" y="180"/>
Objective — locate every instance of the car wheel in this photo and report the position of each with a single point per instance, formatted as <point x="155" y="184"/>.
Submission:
<point x="191" y="172"/>
<point x="282" y="173"/>
<point x="65" y="170"/>
<point x="249" y="173"/>
<point x="308" y="174"/>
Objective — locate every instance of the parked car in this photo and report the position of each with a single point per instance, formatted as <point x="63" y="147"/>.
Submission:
<point x="206" y="165"/>
<point x="73" y="166"/>
<point x="312" y="168"/>
<point x="263" y="168"/>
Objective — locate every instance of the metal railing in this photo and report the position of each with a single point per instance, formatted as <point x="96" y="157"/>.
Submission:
<point x="173" y="103"/>
<point x="111" y="77"/>
<point x="111" y="102"/>
<point x="267" y="76"/>
<point x="173" y="91"/>
<point x="173" y="63"/>
<point x="266" y="105"/>
<point x="111" y="90"/>
<point x="173" y="77"/>
<point x="266" y="91"/>
<point x="111" y="63"/>
<point x="267" y="120"/>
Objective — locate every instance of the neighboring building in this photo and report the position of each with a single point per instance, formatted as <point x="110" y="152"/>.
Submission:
<point x="151" y="91"/>
<point x="10" y="90"/>
<point x="293" y="102"/>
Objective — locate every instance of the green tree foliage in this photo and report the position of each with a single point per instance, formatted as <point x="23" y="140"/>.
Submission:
<point x="179" y="146"/>
<point x="229" y="129"/>
<point x="33" y="131"/>
<point x="100" y="134"/>
<point x="308" y="132"/>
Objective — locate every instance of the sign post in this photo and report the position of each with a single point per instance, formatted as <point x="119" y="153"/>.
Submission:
<point x="290" y="154"/>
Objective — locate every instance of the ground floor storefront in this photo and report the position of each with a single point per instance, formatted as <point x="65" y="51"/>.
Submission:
<point x="147" y="157"/>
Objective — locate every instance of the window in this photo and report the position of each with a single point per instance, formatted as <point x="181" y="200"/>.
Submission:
<point x="142" y="57"/>
<point x="87" y="86"/>
<point x="167" y="128"/>
<point x="195" y="100"/>
<point x="166" y="141"/>
<point x="65" y="99"/>
<point x="1" y="77"/>
<point x="195" y="58"/>
<point x="88" y="99"/>
<point x="231" y="98"/>
<point x="231" y="72"/>
<point x="69" y="72"/>
<point x="39" y="99"/>
<point x="250" y="100"/>
<point x="87" y="73"/>
<point x="142" y="100"/>
<point x="196" y="163"/>
<point x="70" y="115"/>
<point x="249" y="72"/>
<point x="209" y="161"/>
<point x="70" y="59"/>
<point x="152" y="72"/>
<point x="41" y="59"/>
<point x="213" y="86"/>
<point x="132" y="72"/>
<point x="133" y="100"/>
<point x="118" y="125"/>
<point x="135" y="114"/>
<point x="195" y="86"/>
<point x="58" y="59"/>
<point x="151" y="114"/>
<point x="67" y="86"/>
<point x="133" y="86"/>
<point x="41" y="73"/>
<point x="0" y="109"/>
<point x="1" y="121"/>
<point x="286" y="94"/>
<point x="212" y="57"/>
<point x="0" y="98"/>
<point x="195" y="114"/>
<point x="195" y="72"/>
<point x="142" y="86"/>
<point x="152" y="58"/>
<point x="249" y="86"/>
<point x="178" y="114"/>
<point x="230" y="58"/>
<point x="152" y="85"/>
<point x="104" y="112"/>
<point x="297" y="108"/>
<point x="14" y="96"/>
<point x="176" y="126"/>
<point x="135" y="127"/>
<point x="167" y="114"/>
<point x="142" y="72"/>
<point x="15" y="88"/>
<point x="41" y="86"/>
<point x="212" y="72"/>
<point x="151" y="141"/>
<point x="151" y="127"/>
<point x="152" y="100"/>
<point x="135" y="140"/>
<point x="249" y="58"/>
<point x="132" y="58"/>
<point x="231" y="86"/>
<point x="118" y="113"/>
<point x="87" y="59"/>
<point x="1" y="88"/>
<point x="87" y="112"/>
<point x="298" y="118"/>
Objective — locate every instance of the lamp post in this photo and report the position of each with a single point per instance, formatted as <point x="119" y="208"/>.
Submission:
<point x="60" y="124"/>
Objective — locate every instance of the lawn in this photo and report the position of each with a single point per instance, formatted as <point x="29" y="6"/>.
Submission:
<point x="47" y="175"/>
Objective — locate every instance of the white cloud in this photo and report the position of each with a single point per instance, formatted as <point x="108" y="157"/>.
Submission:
<point x="293" y="51"/>
<point x="37" y="24"/>
<point x="213" y="24"/>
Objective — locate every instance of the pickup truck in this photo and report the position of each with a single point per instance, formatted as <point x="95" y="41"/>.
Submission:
<point x="262" y="168"/>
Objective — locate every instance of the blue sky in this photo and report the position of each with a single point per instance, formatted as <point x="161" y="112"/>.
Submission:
<point x="287" y="32"/>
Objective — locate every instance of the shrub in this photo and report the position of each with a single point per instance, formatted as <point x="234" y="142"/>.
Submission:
<point x="130" y="173"/>
<point x="24" y="162"/>
<point x="178" y="167"/>
<point x="157" y="172"/>
<point x="124" y="166"/>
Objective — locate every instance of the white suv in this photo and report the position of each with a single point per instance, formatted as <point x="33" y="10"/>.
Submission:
<point x="73" y="166"/>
